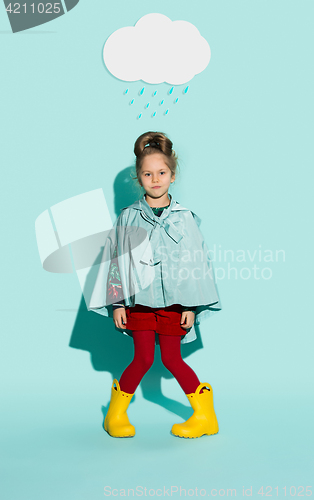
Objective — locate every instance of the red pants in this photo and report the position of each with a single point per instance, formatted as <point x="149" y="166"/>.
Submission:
<point x="163" y="321"/>
<point x="144" y="322"/>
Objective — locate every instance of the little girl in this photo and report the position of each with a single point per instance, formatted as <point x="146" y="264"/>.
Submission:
<point x="161" y="290"/>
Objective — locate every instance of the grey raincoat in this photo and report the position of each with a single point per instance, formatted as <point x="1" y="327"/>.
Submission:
<point x="162" y="261"/>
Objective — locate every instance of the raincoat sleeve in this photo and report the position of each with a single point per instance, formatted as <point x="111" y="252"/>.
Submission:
<point x="120" y="259"/>
<point x="114" y="287"/>
<point x="186" y="308"/>
<point x="212" y="303"/>
<point x="106" y="276"/>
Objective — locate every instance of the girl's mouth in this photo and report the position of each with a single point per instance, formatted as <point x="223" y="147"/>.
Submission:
<point x="156" y="187"/>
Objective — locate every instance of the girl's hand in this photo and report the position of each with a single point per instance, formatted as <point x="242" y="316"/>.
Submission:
<point x="187" y="319"/>
<point x="119" y="315"/>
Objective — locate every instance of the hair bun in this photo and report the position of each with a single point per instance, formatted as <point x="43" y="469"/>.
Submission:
<point x="147" y="142"/>
<point x="154" y="144"/>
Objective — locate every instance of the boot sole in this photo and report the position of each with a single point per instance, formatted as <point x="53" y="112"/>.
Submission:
<point x="121" y="437"/>
<point x="195" y="437"/>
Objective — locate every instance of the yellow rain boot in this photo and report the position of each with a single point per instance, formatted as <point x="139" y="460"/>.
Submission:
<point x="117" y="423"/>
<point x="204" y="420"/>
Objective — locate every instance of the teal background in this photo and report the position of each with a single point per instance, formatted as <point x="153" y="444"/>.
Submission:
<point x="244" y="135"/>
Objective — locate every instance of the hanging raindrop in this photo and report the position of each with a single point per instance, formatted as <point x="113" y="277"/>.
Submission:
<point x="154" y="114"/>
<point x="141" y="92"/>
<point x="126" y="91"/>
<point x="132" y="101"/>
<point x="147" y="105"/>
<point x="185" y="90"/>
<point x="176" y="100"/>
<point x="166" y="112"/>
<point x="155" y="93"/>
<point x="139" y="116"/>
<point x="161" y="102"/>
<point x="171" y="90"/>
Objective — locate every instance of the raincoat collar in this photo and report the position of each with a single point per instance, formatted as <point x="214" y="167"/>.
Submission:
<point x="162" y="223"/>
<point x="142" y="205"/>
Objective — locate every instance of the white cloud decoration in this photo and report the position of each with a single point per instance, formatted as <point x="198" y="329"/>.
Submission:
<point x="157" y="50"/>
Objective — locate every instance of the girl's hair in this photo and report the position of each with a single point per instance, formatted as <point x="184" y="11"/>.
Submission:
<point x="151" y="143"/>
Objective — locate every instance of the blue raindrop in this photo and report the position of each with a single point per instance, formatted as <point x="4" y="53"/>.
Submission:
<point x="132" y="101"/>
<point x="185" y="90"/>
<point x="126" y="91"/>
<point x="141" y="92"/>
<point x="139" y="116"/>
<point x="161" y="102"/>
<point x="155" y="93"/>
<point x="171" y="90"/>
<point x="176" y="100"/>
<point x="147" y="105"/>
<point x="154" y="114"/>
<point x="167" y="111"/>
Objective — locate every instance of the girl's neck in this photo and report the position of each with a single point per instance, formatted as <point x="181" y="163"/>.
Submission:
<point x="164" y="201"/>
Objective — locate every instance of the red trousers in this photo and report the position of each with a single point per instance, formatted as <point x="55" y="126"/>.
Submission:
<point x="144" y="322"/>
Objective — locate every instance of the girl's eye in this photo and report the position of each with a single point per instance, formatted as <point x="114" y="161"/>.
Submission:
<point x="149" y="174"/>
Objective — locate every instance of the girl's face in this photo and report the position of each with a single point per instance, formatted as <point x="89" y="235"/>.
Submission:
<point x="155" y="175"/>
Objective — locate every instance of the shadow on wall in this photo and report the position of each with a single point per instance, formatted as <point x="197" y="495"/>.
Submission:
<point x="112" y="351"/>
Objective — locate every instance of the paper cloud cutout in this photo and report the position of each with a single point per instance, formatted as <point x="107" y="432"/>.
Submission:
<point x="157" y="50"/>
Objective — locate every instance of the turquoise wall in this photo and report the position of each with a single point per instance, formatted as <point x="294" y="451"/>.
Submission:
<point x="244" y="134"/>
